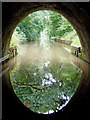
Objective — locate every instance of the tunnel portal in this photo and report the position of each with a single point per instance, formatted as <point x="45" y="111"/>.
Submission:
<point x="78" y="14"/>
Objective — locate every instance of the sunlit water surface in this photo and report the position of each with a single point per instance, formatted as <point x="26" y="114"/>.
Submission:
<point x="45" y="79"/>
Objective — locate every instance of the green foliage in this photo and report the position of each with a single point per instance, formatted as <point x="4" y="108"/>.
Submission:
<point x="31" y="27"/>
<point x="21" y="36"/>
<point x="72" y="36"/>
<point x="59" y="25"/>
<point x="14" y="39"/>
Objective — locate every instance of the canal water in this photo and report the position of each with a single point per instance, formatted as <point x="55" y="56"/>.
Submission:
<point x="44" y="79"/>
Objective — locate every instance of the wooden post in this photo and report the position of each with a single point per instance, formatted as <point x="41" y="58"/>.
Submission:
<point x="77" y="52"/>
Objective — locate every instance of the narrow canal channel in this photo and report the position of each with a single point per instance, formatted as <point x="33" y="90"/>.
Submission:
<point x="45" y="78"/>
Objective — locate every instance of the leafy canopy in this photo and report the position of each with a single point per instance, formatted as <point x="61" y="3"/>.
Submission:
<point x="31" y="27"/>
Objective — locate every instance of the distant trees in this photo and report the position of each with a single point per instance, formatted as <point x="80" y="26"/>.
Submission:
<point x="31" y="27"/>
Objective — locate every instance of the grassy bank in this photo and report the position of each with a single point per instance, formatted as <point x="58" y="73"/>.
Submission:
<point x="72" y="36"/>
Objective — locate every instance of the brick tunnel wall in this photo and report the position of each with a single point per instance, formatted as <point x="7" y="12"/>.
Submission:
<point x="78" y="15"/>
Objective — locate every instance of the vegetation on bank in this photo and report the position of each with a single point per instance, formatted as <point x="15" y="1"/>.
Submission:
<point x="51" y="23"/>
<point x="72" y="36"/>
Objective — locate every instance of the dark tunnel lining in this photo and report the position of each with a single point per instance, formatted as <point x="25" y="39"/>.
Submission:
<point x="72" y="11"/>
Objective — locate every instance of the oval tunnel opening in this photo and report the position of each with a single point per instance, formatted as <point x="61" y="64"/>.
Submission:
<point x="43" y="38"/>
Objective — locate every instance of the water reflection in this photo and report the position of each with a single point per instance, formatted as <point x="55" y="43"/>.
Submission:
<point x="45" y="81"/>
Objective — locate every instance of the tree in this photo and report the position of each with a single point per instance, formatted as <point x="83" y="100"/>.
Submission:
<point x="31" y="27"/>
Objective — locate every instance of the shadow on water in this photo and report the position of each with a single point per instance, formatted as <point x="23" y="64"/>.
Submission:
<point x="45" y="80"/>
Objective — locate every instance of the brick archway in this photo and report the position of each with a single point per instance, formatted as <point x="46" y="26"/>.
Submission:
<point x="78" y="14"/>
